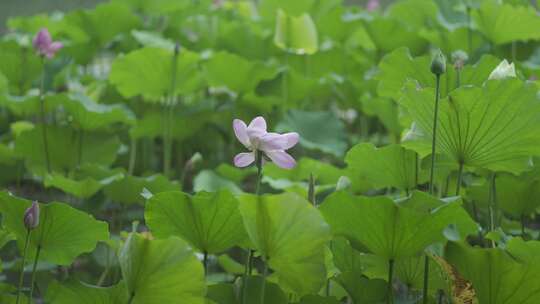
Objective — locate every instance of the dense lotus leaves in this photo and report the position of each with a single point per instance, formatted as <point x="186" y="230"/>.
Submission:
<point x="236" y="174"/>
<point x="128" y="190"/>
<point x="380" y="28"/>
<point x="78" y="292"/>
<point x="63" y="232"/>
<point x="496" y="126"/>
<point x="296" y="34"/>
<point x="161" y="271"/>
<point x="517" y="196"/>
<point x="386" y="110"/>
<point x="294" y="8"/>
<point x="210" y="181"/>
<point x="291" y="234"/>
<point x="506" y="23"/>
<point x="387" y="229"/>
<point x="323" y="173"/>
<point x="396" y="68"/>
<point x="388" y="166"/>
<point x="87" y="114"/>
<point x="85" y="181"/>
<point x="500" y="276"/>
<point x="65" y="149"/>
<point x="20" y="66"/>
<point x="363" y="290"/>
<point x="247" y="74"/>
<point x="147" y="72"/>
<point x="330" y="139"/>
<point x="5" y="237"/>
<point x="152" y="39"/>
<point x="210" y="222"/>
<point x="316" y="299"/>
<point x="414" y="13"/>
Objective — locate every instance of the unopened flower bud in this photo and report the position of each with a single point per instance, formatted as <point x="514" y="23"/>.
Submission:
<point x="31" y="216"/>
<point x="503" y="70"/>
<point x="459" y="58"/>
<point x="438" y="64"/>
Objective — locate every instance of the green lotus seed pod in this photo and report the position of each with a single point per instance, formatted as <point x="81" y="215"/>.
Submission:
<point x="438" y="64"/>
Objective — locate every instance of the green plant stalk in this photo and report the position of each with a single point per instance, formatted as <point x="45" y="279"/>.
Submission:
<point x="263" y="283"/>
<point x="459" y="178"/>
<point x="42" y="117"/>
<point x="33" y="280"/>
<point x="132" y="155"/>
<point x="205" y="263"/>
<point x="21" y="275"/>
<point x="80" y="147"/>
<point x="426" y="279"/>
<point x="167" y="113"/>
<point x="390" y="298"/>
<point x="131" y="297"/>
<point x="492" y="206"/>
<point x="469" y="31"/>
<point x="249" y="262"/>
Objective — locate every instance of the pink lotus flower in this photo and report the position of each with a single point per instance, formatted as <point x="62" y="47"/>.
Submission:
<point x="31" y="216"/>
<point x="255" y="138"/>
<point x="44" y="45"/>
<point x="373" y="5"/>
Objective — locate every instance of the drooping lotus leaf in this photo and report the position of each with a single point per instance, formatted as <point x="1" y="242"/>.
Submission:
<point x="128" y="190"/>
<point x="148" y="72"/>
<point x="389" y="166"/>
<point x="63" y="232"/>
<point x="66" y="151"/>
<point x="387" y="229"/>
<point x="20" y="65"/>
<point x="330" y="138"/>
<point x="500" y="276"/>
<point x="79" y="292"/>
<point x="291" y="234"/>
<point x="516" y="195"/>
<point x="296" y="34"/>
<point x="247" y="74"/>
<point x="504" y="23"/>
<point x="161" y="271"/>
<point x="496" y="126"/>
<point x="210" y="222"/>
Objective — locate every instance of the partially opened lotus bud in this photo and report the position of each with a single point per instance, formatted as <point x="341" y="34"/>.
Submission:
<point x="438" y="65"/>
<point x="503" y="70"/>
<point x="31" y="216"/>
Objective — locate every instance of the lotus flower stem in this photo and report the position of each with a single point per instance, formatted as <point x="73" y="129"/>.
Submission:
<point x="42" y="117"/>
<point x="33" y="280"/>
<point x="390" y="298"/>
<point x="21" y="275"/>
<point x="434" y="138"/>
<point x="459" y="178"/>
<point x="263" y="283"/>
<point x="80" y="147"/>
<point x="168" y="113"/>
<point x="205" y="263"/>
<point x="132" y="155"/>
<point x="492" y="206"/>
<point x="131" y="297"/>
<point x="469" y="30"/>
<point x="426" y="279"/>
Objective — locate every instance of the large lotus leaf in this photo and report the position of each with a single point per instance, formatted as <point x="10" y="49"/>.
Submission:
<point x="79" y="292"/>
<point x="246" y="76"/>
<point x="148" y="72"/>
<point x="516" y="195"/>
<point x="90" y="115"/>
<point x="210" y="222"/>
<point x="128" y="190"/>
<point x="210" y="181"/>
<point x="389" y="166"/>
<point x="506" y="23"/>
<point x="323" y="173"/>
<point x="85" y="181"/>
<point x="63" y="232"/>
<point x="316" y="299"/>
<point x="396" y="68"/>
<point x="496" y="126"/>
<point x="386" y="110"/>
<point x="20" y="65"/>
<point x="500" y="276"/>
<point x="153" y="39"/>
<point x="415" y="13"/>
<point x="387" y="229"/>
<point x="381" y="28"/>
<point x="66" y="151"/>
<point x="296" y="34"/>
<point x="291" y="234"/>
<point x="318" y="130"/>
<point x="161" y="271"/>
<point x="363" y="290"/>
<point x="226" y="293"/>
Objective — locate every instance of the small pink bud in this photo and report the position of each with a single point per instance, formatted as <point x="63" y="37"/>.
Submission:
<point x="31" y="216"/>
<point x="44" y="45"/>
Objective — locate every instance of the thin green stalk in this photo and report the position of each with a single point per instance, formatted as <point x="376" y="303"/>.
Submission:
<point x="492" y="206"/>
<point x="469" y="31"/>
<point x="33" y="280"/>
<point x="205" y="263"/>
<point x="434" y="138"/>
<point x="459" y="177"/>
<point x="132" y="155"/>
<point x="426" y="279"/>
<point x="523" y="225"/>
<point x="131" y="297"/>
<point x="263" y="283"/>
<point x="390" y="293"/>
<point x="458" y="78"/>
<point x="21" y="275"/>
<point x="80" y="147"/>
<point x="284" y="84"/>
<point x="43" y="120"/>
<point x="167" y="113"/>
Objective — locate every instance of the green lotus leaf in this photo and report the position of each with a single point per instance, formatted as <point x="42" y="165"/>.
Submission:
<point x="161" y="271"/>
<point x="63" y="233"/>
<point x="128" y="190"/>
<point x="296" y="34"/>
<point x="210" y="222"/>
<point x="495" y="127"/>
<point x="291" y="234"/>
<point x="79" y="292"/>
<point x="225" y="293"/>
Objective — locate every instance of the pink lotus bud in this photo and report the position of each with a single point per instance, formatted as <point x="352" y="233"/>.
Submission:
<point x="31" y="216"/>
<point x="373" y="5"/>
<point x="44" y="45"/>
